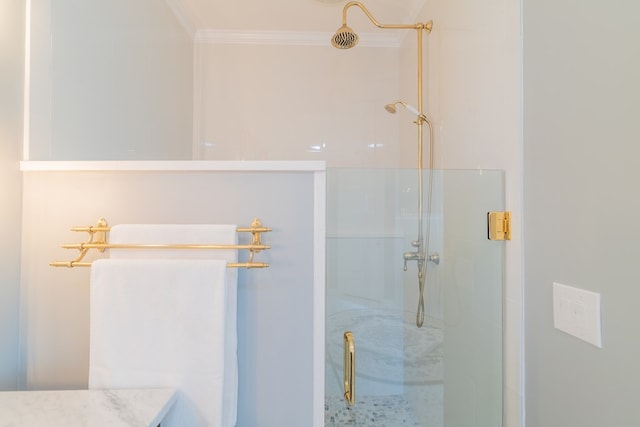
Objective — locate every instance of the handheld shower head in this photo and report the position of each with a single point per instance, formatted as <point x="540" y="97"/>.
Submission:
<point x="344" y="38"/>
<point x="391" y="108"/>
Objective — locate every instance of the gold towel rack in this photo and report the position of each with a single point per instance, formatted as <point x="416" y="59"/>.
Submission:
<point x="98" y="240"/>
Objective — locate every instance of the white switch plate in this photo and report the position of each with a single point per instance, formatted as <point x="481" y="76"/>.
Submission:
<point x="577" y="312"/>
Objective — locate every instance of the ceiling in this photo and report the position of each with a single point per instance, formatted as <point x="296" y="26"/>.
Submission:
<point x="289" y="15"/>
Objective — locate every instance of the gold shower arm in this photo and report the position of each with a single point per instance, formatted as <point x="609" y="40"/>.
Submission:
<point x="98" y="240"/>
<point x="417" y="26"/>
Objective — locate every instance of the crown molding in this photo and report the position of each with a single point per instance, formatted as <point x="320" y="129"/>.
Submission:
<point x="289" y="38"/>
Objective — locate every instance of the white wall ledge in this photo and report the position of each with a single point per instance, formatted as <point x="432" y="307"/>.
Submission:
<point x="170" y="165"/>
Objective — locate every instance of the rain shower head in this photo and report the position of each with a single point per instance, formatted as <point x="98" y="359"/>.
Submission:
<point x="344" y="38"/>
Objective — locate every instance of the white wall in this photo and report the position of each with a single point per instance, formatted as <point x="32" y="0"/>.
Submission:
<point x="12" y="21"/>
<point x="286" y="102"/>
<point x="582" y="169"/>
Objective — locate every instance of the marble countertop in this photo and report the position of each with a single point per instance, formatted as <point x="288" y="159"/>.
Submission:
<point x="76" y="408"/>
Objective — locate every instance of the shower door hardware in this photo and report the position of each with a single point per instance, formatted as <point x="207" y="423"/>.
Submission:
<point x="499" y="225"/>
<point x="349" y="366"/>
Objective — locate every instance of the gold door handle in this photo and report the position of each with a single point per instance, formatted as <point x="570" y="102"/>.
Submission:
<point x="349" y="368"/>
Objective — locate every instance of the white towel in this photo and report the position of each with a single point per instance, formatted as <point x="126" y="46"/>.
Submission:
<point x="194" y="234"/>
<point x="161" y="323"/>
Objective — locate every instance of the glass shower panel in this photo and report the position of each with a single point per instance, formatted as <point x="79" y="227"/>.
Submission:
<point x="447" y="373"/>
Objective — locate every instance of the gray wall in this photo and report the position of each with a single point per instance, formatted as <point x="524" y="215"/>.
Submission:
<point x="581" y="205"/>
<point x="111" y="80"/>
<point x="11" y="84"/>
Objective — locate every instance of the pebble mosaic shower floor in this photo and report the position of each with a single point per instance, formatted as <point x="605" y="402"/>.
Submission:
<point x="393" y="357"/>
<point x="370" y="411"/>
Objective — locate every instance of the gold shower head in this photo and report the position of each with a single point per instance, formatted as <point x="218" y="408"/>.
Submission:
<point x="391" y="108"/>
<point x="344" y="38"/>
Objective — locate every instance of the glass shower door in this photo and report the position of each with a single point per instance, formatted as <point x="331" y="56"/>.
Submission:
<point x="448" y="372"/>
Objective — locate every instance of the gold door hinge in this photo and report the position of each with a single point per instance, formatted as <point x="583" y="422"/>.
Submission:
<point x="499" y="225"/>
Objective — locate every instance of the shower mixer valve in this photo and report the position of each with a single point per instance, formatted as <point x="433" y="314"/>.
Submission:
<point x="412" y="256"/>
<point x="419" y="257"/>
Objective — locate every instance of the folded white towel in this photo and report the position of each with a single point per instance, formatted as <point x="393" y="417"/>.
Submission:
<point x="161" y="323"/>
<point x="194" y="234"/>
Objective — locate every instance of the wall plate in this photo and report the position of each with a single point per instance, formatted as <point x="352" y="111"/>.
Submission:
<point x="577" y="312"/>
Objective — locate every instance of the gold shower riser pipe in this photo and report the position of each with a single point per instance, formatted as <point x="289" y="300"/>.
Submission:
<point x="427" y="26"/>
<point x="346" y="38"/>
